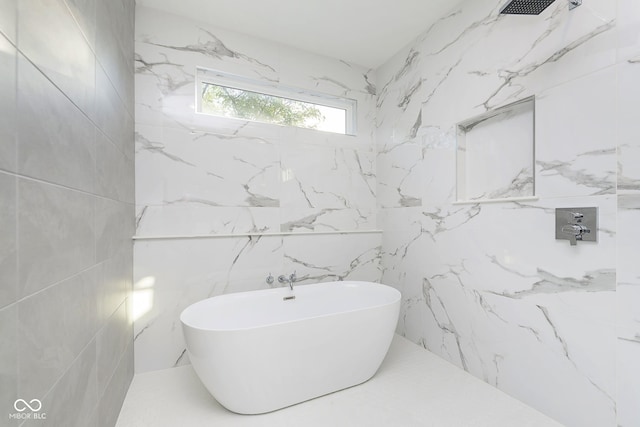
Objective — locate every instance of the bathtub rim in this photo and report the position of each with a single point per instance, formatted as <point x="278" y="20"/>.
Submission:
<point x="396" y="299"/>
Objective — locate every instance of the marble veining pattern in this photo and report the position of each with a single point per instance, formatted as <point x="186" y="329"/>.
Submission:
<point x="198" y="174"/>
<point x="486" y="286"/>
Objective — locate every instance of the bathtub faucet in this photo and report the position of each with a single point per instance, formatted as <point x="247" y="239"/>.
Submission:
<point x="290" y="280"/>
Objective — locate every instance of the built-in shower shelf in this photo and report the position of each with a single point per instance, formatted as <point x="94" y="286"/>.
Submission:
<point x="495" y="154"/>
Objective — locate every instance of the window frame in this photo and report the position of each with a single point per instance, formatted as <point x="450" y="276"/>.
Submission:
<point x="219" y="78"/>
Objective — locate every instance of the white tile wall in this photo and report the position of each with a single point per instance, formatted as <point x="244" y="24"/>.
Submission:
<point x="486" y="286"/>
<point x="199" y="174"/>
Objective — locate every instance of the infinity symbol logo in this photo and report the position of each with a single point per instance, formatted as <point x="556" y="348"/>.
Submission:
<point x="21" y="403"/>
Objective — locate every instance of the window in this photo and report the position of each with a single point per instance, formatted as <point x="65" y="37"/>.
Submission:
<point x="224" y="95"/>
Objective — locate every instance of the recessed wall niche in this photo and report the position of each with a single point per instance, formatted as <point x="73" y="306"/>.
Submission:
<point x="495" y="154"/>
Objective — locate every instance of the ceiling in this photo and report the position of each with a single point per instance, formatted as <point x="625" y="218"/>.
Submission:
<point x="364" y="32"/>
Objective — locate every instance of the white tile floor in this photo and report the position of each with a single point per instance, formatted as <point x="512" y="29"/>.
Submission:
<point x="412" y="388"/>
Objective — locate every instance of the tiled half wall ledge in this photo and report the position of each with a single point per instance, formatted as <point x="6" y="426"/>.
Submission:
<point x="210" y="236"/>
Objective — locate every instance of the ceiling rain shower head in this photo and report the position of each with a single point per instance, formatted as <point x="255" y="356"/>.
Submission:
<point x="532" y="7"/>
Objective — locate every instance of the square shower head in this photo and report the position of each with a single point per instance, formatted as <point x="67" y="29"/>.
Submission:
<point x="525" y="7"/>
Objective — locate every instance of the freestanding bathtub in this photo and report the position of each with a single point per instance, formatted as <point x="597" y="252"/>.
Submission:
<point x="263" y="350"/>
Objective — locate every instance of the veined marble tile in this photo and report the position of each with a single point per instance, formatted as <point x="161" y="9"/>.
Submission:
<point x="575" y="147"/>
<point x="327" y="75"/>
<point x="469" y="43"/>
<point x="169" y="275"/>
<point x="403" y="256"/>
<point x="500" y="314"/>
<point x="400" y="175"/>
<point x="487" y="286"/>
<point x="181" y="167"/>
<point x="439" y="177"/>
<point x="300" y="219"/>
<point x="194" y="219"/>
<point x="326" y="258"/>
<point x="196" y="44"/>
<point x="327" y="179"/>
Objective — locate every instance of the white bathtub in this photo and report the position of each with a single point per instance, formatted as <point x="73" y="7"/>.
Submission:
<point x="257" y="352"/>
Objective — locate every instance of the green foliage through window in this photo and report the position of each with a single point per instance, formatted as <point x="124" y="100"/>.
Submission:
<point x="243" y="104"/>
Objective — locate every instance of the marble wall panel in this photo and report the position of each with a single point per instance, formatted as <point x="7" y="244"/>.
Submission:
<point x="333" y="257"/>
<point x="198" y="174"/>
<point x="204" y="169"/>
<point x="172" y="274"/>
<point x="400" y="175"/>
<point x="486" y="286"/>
<point x="481" y="312"/>
<point x="188" y="219"/>
<point x="304" y="219"/>
<point x="575" y="153"/>
<point x="332" y="178"/>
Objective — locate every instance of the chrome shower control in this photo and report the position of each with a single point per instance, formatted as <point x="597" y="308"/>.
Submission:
<point x="577" y="225"/>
